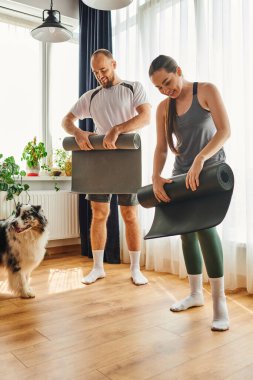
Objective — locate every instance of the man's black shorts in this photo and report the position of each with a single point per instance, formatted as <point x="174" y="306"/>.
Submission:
<point x="123" y="199"/>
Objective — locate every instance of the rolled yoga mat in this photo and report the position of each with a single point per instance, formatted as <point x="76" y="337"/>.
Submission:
<point x="104" y="171"/>
<point x="190" y="211"/>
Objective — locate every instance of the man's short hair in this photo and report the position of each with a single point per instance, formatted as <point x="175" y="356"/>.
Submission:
<point x="105" y="52"/>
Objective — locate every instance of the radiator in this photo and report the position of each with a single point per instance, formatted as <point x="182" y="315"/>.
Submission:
<point x="60" y="208"/>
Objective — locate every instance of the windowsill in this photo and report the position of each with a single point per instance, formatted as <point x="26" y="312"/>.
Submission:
<point x="46" y="178"/>
<point x="46" y="182"/>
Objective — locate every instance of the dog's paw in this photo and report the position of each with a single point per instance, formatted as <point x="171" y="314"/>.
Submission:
<point x="27" y="294"/>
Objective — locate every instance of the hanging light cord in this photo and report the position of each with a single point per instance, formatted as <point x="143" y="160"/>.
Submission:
<point x="51" y="7"/>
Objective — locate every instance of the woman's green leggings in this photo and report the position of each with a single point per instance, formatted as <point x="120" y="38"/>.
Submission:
<point x="211" y="248"/>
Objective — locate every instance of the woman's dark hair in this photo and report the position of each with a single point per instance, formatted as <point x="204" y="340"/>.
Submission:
<point x="170" y="65"/>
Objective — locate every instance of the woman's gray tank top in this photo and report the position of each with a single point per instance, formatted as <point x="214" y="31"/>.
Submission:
<point x="196" y="128"/>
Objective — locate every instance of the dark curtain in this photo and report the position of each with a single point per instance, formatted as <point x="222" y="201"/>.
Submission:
<point x="95" y="33"/>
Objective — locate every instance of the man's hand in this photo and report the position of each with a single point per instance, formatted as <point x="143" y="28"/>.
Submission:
<point x="111" y="138"/>
<point x="82" y="139"/>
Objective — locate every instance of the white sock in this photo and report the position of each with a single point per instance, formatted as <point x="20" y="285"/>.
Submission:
<point x="137" y="276"/>
<point x="220" y="312"/>
<point x="195" y="298"/>
<point x="98" y="268"/>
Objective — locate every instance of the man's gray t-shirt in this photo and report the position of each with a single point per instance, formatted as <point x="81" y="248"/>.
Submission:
<point x="110" y="106"/>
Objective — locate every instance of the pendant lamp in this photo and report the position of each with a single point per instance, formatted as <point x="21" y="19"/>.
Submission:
<point x="51" y="30"/>
<point x="107" y="5"/>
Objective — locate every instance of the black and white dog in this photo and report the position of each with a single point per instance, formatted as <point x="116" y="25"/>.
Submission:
<point x="23" y="237"/>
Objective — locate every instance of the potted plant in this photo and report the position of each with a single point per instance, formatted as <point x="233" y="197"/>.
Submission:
<point x="62" y="161"/>
<point x="11" y="178"/>
<point x="33" y="152"/>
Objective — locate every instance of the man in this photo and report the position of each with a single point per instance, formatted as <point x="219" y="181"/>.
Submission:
<point x="116" y="107"/>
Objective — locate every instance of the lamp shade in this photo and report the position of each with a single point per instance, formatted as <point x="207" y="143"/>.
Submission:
<point x="51" y="30"/>
<point x="107" y="5"/>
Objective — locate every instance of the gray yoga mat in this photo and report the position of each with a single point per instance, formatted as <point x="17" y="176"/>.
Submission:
<point x="103" y="171"/>
<point x="190" y="211"/>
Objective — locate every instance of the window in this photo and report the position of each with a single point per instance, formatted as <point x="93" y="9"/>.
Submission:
<point x="63" y="86"/>
<point x="21" y="89"/>
<point x="39" y="84"/>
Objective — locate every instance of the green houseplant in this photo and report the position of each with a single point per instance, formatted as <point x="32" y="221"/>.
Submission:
<point x="63" y="161"/>
<point x="60" y="164"/>
<point x="11" y="178"/>
<point x="33" y="152"/>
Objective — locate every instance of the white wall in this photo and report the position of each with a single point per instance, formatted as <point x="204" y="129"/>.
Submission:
<point x="67" y="8"/>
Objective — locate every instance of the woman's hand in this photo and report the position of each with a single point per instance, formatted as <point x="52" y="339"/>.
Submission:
<point x="192" y="177"/>
<point x="159" y="192"/>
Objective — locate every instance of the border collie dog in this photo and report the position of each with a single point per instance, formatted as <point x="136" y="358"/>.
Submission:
<point x="23" y="237"/>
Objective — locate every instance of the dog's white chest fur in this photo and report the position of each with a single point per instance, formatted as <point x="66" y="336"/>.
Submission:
<point x="29" y="248"/>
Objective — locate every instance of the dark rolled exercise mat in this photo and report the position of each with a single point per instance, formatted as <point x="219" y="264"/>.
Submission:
<point x="124" y="141"/>
<point x="103" y="171"/>
<point x="190" y="211"/>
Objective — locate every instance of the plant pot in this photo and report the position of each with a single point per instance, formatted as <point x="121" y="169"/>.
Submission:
<point x="56" y="172"/>
<point x="33" y="171"/>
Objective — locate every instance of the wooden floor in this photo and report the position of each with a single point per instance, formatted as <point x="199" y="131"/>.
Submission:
<point x="115" y="330"/>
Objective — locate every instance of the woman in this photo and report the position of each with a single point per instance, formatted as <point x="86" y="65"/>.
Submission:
<point x="193" y="122"/>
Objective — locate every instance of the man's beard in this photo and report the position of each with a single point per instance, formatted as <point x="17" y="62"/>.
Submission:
<point x="108" y="84"/>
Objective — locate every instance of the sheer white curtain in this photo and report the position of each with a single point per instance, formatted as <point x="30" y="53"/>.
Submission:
<point x="20" y="94"/>
<point x="212" y="40"/>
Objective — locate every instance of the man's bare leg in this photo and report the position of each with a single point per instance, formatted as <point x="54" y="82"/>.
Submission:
<point x="133" y="238"/>
<point x="100" y="213"/>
